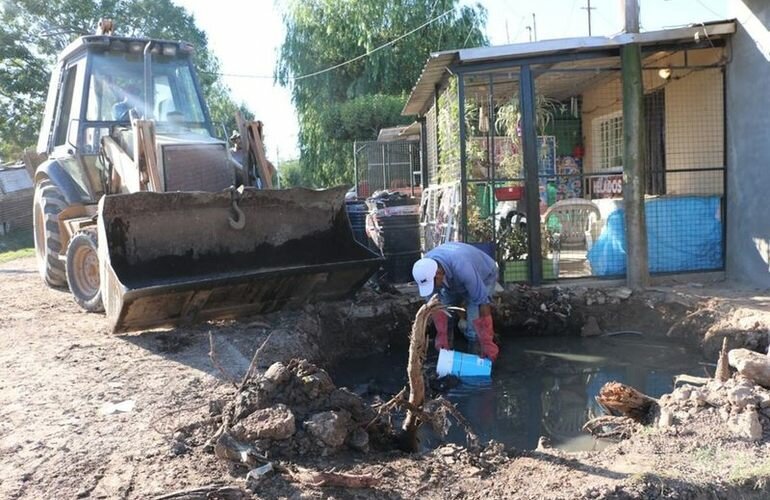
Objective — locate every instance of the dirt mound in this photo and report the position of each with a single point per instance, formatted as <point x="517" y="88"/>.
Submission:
<point x="294" y="410"/>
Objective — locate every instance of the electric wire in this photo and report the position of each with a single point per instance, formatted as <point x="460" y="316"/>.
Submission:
<point x="349" y="61"/>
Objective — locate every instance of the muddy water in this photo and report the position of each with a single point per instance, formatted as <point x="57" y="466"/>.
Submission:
<point x="541" y="386"/>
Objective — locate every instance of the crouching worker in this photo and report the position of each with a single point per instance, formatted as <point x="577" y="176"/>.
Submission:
<point x="461" y="274"/>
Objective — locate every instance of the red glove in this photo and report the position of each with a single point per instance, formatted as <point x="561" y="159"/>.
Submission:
<point x="486" y="335"/>
<point x="441" y="320"/>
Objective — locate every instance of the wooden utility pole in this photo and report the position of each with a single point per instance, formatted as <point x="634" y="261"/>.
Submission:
<point x="637" y="270"/>
<point x="534" y="27"/>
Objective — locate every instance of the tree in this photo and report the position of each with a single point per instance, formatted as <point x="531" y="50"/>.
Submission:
<point x="324" y="33"/>
<point x="33" y="32"/>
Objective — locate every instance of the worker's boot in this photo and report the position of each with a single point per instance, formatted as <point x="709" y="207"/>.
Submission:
<point x="441" y="321"/>
<point x="486" y="336"/>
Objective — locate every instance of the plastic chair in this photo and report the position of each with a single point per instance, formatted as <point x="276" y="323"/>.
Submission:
<point x="575" y="217"/>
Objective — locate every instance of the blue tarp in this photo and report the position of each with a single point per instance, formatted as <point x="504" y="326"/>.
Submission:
<point x="683" y="234"/>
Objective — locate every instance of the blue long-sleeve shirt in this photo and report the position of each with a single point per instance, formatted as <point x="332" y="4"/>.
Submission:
<point x="468" y="271"/>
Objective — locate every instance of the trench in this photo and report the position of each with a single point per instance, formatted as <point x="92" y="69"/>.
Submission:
<point x="540" y="386"/>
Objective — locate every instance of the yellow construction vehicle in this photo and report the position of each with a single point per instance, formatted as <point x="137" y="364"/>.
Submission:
<point x="145" y="214"/>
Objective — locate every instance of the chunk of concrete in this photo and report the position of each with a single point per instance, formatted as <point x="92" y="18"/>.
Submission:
<point x="622" y="293"/>
<point x="276" y="422"/>
<point x="277" y="373"/>
<point x="329" y="427"/>
<point x="746" y="425"/>
<point x="752" y="365"/>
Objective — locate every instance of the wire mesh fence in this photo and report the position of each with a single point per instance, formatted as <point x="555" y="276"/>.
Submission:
<point x="580" y="154"/>
<point x="393" y="166"/>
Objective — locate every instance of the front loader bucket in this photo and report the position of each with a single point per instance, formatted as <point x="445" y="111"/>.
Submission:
<point x="172" y="259"/>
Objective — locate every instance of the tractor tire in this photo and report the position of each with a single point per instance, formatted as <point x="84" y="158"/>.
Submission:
<point x="48" y="203"/>
<point x="83" y="271"/>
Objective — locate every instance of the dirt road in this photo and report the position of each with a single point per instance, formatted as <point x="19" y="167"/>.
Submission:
<point x="60" y="368"/>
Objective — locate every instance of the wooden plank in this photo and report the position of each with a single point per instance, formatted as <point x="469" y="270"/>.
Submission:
<point x="254" y="129"/>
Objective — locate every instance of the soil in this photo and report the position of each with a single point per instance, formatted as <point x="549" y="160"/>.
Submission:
<point x="61" y="435"/>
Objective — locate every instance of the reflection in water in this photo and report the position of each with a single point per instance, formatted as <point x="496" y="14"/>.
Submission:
<point x="545" y="386"/>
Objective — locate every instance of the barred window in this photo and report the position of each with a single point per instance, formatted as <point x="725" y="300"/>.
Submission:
<point x="608" y="136"/>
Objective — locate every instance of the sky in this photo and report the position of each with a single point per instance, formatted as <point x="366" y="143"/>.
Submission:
<point x="246" y="36"/>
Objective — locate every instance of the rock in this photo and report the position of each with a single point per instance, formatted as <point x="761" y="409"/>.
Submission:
<point x="622" y="293"/>
<point x="698" y="397"/>
<point x="329" y="427"/>
<point x="447" y="450"/>
<point x="741" y="396"/>
<point x="216" y="407"/>
<point x="682" y="394"/>
<point x="666" y="418"/>
<point x="317" y="384"/>
<point x="591" y="328"/>
<point x="746" y="425"/>
<point x="277" y="373"/>
<point x="178" y="448"/>
<point x="601" y="299"/>
<point x="343" y="399"/>
<point x="752" y="365"/>
<point x="358" y="439"/>
<point x="276" y="422"/>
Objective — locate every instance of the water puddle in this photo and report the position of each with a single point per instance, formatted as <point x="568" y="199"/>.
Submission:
<point x="542" y="386"/>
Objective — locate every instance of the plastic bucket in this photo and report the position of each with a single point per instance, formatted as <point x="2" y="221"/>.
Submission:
<point x="462" y="365"/>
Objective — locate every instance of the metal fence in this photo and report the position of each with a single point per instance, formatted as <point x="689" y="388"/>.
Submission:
<point x="579" y="141"/>
<point x="394" y="166"/>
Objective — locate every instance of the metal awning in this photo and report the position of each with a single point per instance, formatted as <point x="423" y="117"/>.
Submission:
<point x="439" y="63"/>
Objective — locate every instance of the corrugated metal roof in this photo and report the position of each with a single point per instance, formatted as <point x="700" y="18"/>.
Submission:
<point x="438" y="63"/>
<point x="14" y="179"/>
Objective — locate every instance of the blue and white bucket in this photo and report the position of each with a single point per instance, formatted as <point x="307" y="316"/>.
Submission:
<point x="462" y="365"/>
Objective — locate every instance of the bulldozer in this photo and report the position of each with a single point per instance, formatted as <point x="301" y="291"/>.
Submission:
<point x="143" y="213"/>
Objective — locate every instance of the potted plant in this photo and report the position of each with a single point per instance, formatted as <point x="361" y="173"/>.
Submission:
<point x="513" y="253"/>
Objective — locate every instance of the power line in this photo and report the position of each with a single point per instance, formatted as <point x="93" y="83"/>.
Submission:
<point x="349" y="61"/>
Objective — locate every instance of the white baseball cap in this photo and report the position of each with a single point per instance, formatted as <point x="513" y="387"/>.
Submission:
<point x="424" y="272"/>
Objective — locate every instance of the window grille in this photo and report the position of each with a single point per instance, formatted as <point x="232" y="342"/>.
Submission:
<point x="608" y="131"/>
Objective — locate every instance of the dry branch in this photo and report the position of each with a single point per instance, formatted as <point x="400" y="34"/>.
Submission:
<point x="334" y="479"/>
<point x="253" y="365"/>
<point x="608" y="426"/>
<point x="206" y="493"/>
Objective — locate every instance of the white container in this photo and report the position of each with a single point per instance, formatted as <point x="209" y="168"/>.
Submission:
<point x="462" y="365"/>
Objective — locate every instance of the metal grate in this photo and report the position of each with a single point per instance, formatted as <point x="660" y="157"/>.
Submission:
<point x="394" y="166"/>
<point x="197" y="168"/>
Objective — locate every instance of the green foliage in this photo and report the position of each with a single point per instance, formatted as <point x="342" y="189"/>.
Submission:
<point x="33" y="32"/>
<point x="361" y="118"/>
<point x="291" y="175"/>
<point x="324" y="33"/>
<point x="508" y="123"/>
<point x="449" y="133"/>
<point x="15" y="245"/>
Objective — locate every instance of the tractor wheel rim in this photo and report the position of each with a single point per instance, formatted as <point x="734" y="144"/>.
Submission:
<point x="87" y="271"/>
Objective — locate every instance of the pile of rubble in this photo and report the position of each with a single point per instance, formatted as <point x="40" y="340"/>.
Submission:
<point x="740" y="403"/>
<point x="530" y="311"/>
<point x="292" y="410"/>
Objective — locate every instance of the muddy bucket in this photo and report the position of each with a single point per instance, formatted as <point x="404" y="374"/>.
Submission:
<point x="171" y="259"/>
